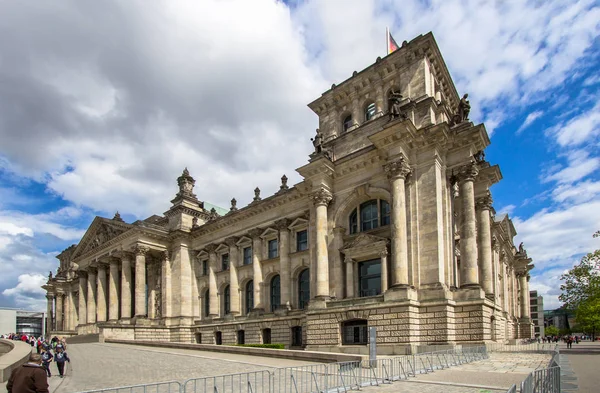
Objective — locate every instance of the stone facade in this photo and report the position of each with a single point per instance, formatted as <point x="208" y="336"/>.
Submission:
<point x="393" y="226"/>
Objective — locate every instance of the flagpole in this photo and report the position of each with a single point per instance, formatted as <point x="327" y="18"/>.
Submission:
<point x="387" y="41"/>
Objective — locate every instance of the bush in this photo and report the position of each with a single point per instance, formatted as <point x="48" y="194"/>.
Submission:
<point x="270" y="346"/>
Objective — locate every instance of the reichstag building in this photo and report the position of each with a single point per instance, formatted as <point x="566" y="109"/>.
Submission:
<point x="392" y="226"/>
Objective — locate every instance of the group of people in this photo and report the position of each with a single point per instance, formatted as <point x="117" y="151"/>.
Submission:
<point x="33" y="376"/>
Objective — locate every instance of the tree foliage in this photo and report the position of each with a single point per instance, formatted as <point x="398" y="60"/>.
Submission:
<point x="588" y="315"/>
<point x="551" y="330"/>
<point x="582" y="282"/>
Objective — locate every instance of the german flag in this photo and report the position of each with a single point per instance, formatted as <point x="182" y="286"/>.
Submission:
<point x="391" y="42"/>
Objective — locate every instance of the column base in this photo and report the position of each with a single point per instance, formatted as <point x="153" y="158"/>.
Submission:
<point x="470" y="292"/>
<point x="400" y="292"/>
<point x="256" y="312"/>
<point x="318" y="303"/>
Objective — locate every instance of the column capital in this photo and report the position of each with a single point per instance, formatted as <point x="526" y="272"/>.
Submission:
<point x="485" y="202"/>
<point x="139" y="249"/>
<point x="468" y="172"/>
<point x="255" y="233"/>
<point x="164" y="256"/>
<point x="92" y="270"/>
<point x="397" y="169"/>
<point x="283" y="224"/>
<point x="321" y="197"/>
<point x="348" y="259"/>
<point x="50" y="296"/>
<point x="231" y="241"/>
<point x="383" y="253"/>
<point x="210" y="248"/>
<point x="339" y="230"/>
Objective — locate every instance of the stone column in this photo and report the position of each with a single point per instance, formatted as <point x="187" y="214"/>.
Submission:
<point x="82" y="298"/>
<point x="234" y="286"/>
<point x="379" y="100"/>
<point x="125" y="286"/>
<point x="102" y="290"/>
<point x="257" y="268"/>
<point x="524" y="284"/>
<point x="349" y="262"/>
<point x="67" y="311"/>
<point x="468" y="235"/>
<point x="113" y="293"/>
<point x="484" y="204"/>
<point x="166" y="284"/>
<point x="91" y="298"/>
<point x="285" y="268"/>
<point x="321" y="199"/>
<point x="140" y="281"/>
<point x="212" y="280"/>
<point x="397" y="172"/>
<point x="336" y="280"/>
<point x="49" y="310"/>
<point x="72" y="312"/>
<point x="384" y="270"/>
<point x="60" y="298"/>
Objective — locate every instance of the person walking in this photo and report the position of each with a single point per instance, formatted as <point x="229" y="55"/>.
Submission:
<point x="46" y="359"/>
<point x="60" y="358"/>
<point x="29" y="378"/>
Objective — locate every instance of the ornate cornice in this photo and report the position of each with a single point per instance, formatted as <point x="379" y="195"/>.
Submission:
<point x="232" y="241"/>
<point x="283" y="224"/>
<point x="210" y="248"/>
<point x="397" y="169"/>
<point x="255" y="233"/>
<point x="139" y="249"/>
<point x="321" y="197"/>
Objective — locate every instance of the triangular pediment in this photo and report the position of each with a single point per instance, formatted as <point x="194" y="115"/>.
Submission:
<point x="100" y="232"/>
<point x="363" y="240"/>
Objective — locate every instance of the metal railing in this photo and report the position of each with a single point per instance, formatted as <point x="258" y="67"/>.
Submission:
<point x="534" y="347"/>
<point x="255" y="382"/>
<point x="545" y="380"/>
<point x="160" y="387"/>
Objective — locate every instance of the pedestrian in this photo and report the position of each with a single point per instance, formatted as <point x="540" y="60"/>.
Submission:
<point x="28" y="378"/>
<point x="46" y="359"/>
<point x="569" y="342"/>
<point x="60" y="358"/>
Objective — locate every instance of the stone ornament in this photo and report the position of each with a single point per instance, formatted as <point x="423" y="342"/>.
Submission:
<point x="231" y="241"/>
<point x="283" y="187"/>
<point x="138" y="249"/>
<point x="186" y="184"/>
<point x="322" y="197"/>
<point x="255" y="233"/>
<point x="317" y="142"/>
<point x="282" y="224"/>
<point x="464" y="107"/>
<point x="484" y="202"/>
<point x="213" y="215"/>
<point x="210" y="248"/>
<point x="117" y="217"/>
<point x="233" y="205"/>
<point x="394" y="101"/>
<point x="468" y="172"/>
<point x="256" y="195"/>
<point x="397" y="169"/>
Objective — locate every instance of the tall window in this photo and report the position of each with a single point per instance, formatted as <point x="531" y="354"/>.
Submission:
<point x="302" y="240"/>
<point x="347" y="123"/>
<point x="225" y="262"/>
<point x="275" y="292"/>
<point x="206" y="303"/>
<point x="218" y="338"/>
<point x="272" y="245"/>
<point x="266" y="335"/>
<point x="241" y="337"/>
<point x="247" y="255"/>
<point x="226" y="300"/>
<point x="370" y="111"/>
<point x="205" y="267"/>
<point x="369" y="215"/>
<point x="369" y="278"/>
<point x="296" y="336"/>
<point x="249" y="296"/>
<point x="355" y="332"/>
<point x="303" y="289"/>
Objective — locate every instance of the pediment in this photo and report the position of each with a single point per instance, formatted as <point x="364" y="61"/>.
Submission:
<point x="364" y="240"/>
<point x="100" y="232"/>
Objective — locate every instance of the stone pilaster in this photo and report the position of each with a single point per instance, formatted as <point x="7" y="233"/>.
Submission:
<point x="321" y="199"/>
<point x="140" y="281"/>
<point x="384" y="270"/>
<point x="257" y="268"/>
<point x="166" y="285"/>
<point x="212" y="280"/>
<point x="349" y="263"/>
<point x="49" y="311"/>
<point x="91" y="295"/>
<point x="102" y="292"/>
<point x="397" y="172"/>
<point x="82" y="298"/>
<point x="285" y="268"/>
<point x="234" y="286"/>
<point x="524" y="286"/>
<point x="60" y="299"/>
<point x="468" y="235"/>
<point x="484" y="204"/>
<point x="336" y="278"/>
<point x="113" y="284"/>
<point x="72" y="311"/>
<point x="125" y="286"/>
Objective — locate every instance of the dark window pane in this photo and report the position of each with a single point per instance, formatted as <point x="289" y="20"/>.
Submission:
<point x="368" y="215"/>
<point x="347" y="122"/>
<point x="218" y="338"/>
<point x="205" y="268"/>
<point x="273" y="248"/>
<point x="302" y="240"/>
<point x="241" y="337"/>
<point x="303" y="289"/>
<point x="385" y="213"/>
<point x="353" y="222"/>
<point x="226" y="300"/>
<point x="206" y="303"/>
<point x="225" y="262"/>
<point x="369" y="278"/>
<point x="370" y="112"/>
<point x="249" y="296"/>
<point x="355" y="332"/>
<point x="275" y="293"/>
<point x="247" y="255"/>
<point x="297" y="336"/>
<point x="266" y="336"/>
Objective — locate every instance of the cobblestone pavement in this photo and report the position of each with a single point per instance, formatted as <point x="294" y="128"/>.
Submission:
<point x="419" y="387"/>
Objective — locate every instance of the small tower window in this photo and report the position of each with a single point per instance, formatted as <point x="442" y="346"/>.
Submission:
<point x="347" y="123"/>
<point x="370" y="111"/>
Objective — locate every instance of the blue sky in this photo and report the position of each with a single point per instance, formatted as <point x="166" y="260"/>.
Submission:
<point x="103" y="104"/>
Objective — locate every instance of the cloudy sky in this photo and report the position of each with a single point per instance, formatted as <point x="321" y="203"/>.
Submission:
<point x="103" y="103"/>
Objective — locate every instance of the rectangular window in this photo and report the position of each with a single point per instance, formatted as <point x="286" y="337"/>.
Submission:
<point x="355" y="333"/>
<point x="205" y="267"/>
<point x="296" y="336"/>
<point x="247" y="255"/>
<point x="369" y="278"/>
<point x="225" y="262"/>
<point x="302" y="240"/>
<point x="241" y="337"/>
<point x="368" y="215"/>
<point x="385" y="212"/>
<point x="273" y="248"/>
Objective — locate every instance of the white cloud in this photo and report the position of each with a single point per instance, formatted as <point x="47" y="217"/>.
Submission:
<point x="28" y="292"/>
<point x="580" y="165"/>
<point x="577" y="193"/>
<point x="578" y="129"/>
<point x="508" y="209"/>
<point x="533" y="116"/>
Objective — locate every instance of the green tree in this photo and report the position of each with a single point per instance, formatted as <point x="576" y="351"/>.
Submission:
<point x="588" y="315"/>
<point x="551" y="331"/>
<point x="582" y="281"/>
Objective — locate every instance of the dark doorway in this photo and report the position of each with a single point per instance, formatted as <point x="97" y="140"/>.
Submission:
<point x="266" y="334"/>
<point x="218" y="338"/>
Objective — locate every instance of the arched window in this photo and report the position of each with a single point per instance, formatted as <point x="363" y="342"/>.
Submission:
<point x="226" y="300"/>
<point x="275" y="292"/>
<point x="206" y="303"/>
<point x="355" y="332"/>
<point x="347" y="123"/>
<point x="369" y="215"/>
<point x="249" y="296"/>
<point x="303" y="289"/>
<point x="370" y="111"/>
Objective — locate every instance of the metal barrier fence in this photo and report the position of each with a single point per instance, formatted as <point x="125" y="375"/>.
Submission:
<point x="542" y="381"/>
<point x="160" y="387"/>
<point x="535" y="347"/>
<point x="256" y="382"/>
